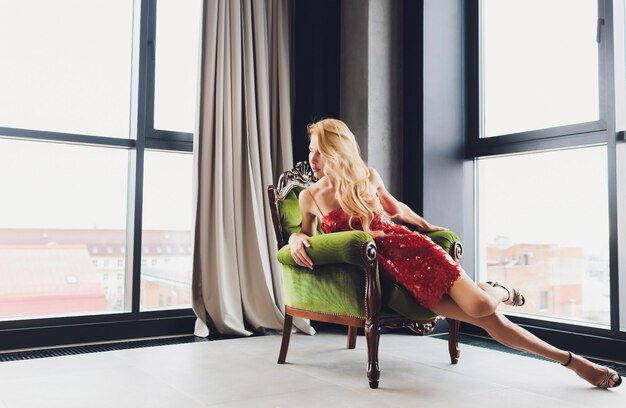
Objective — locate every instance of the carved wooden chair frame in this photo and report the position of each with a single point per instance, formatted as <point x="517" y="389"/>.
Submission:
<point x="302" y="176"/>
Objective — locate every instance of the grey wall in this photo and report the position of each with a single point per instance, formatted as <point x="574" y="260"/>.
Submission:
<point x="354" y="70"/>
<point x="371" y="83"/>
<point x="448" y="179"/>
<point x="437" y="181"/>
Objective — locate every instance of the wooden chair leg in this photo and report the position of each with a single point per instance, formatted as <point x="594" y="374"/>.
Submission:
<point x="453" y="340"/>
<point x="372" y="336"/>
<point x="352" y="337"/>
<point x="284" y="346"/>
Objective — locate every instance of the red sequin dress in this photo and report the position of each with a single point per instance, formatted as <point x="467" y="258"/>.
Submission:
<point x="413" y="260"/>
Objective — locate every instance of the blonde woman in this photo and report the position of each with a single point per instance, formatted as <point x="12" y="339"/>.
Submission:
<point x="350" y="195"/>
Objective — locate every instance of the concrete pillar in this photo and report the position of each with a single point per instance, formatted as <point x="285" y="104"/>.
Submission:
<point x="371" y="83"/>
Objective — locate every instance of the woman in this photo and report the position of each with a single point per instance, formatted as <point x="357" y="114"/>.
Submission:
<point x="349" y="195"/>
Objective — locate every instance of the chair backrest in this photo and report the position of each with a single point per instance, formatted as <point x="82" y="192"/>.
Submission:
<point x="283" y="200"/>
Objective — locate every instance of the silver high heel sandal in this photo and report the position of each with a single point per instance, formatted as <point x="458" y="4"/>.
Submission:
<point x="518" y="298"/>
<point x="604" y="384"/>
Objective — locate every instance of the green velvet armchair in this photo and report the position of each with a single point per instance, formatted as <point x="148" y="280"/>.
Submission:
<point x="344" y="287"/>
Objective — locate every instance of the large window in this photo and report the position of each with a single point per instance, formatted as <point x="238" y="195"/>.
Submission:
<point x="176" y="76"/>
<point x="65" y="70"/>
<point x="167" y="231"/>
<point x="62" y="224"/>
<point x="542" y="77"/>
<point x="544" y="228"/>
<point x="95" y="220"/>
<point x="546" y="149"/>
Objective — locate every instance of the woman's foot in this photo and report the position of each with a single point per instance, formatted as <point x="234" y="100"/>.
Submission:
<point x="513" y="299"/>
<point x="594" y="374"/>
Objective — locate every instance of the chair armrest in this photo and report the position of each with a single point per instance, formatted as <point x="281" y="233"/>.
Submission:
<point x="334" y="248"/>
<point x="450" y="242"/>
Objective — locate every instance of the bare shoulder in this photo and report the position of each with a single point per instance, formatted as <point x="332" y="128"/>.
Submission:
<point x="305" y="197"/>
<point x="306" y="200"/>
<point x="374" y="178"/>
<point x="373" y="173"/>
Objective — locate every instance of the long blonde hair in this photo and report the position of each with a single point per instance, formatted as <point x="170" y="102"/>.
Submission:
<point x="345" y="167"/>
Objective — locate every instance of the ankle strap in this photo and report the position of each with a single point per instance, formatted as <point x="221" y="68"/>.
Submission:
<point x="569" y="360"/>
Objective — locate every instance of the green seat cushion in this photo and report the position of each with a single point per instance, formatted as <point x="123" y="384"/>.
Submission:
<point x="401" y="302"/>
<point x="332" y="289"/>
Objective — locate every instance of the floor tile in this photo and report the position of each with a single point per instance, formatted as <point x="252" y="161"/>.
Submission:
<point x="320" y="371"/>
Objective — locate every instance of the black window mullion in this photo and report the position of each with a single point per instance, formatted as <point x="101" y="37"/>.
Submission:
<point x="170" y="135"/>
<point x="73" y="138"/>
<point x="585" y="134"/>
<point x="145" y="109"/>
<point x="472" y="75"/>
<point x="603" y="60"/>
<point x="608" y="75"/>
<point x="169" y="145"/>
<point x="151" y="65"/>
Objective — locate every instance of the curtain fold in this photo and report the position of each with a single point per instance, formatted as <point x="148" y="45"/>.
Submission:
<point x="243" y="144"/>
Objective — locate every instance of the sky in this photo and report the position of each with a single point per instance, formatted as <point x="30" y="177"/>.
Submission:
<point x="540" y="70"/>
<point x="51" y="185"/>
<point x="540" y="66"/>
<point x="557" y="197"/>
<point x="83" y="84"/>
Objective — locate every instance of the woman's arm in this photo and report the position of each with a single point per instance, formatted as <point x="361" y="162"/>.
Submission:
<point x="398" y="209"/>
<point x="298" y="241"/>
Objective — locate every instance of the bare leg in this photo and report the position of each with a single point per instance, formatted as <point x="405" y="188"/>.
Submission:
<point x="476" y="300"/>
<point x="512" y="335"/>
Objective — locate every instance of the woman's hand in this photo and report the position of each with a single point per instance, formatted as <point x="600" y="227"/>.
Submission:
<point x="297" y="243"/>
<point x="433" y="228"/>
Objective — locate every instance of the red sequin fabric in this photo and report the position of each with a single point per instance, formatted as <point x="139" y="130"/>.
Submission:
<point x="412" y="259"/>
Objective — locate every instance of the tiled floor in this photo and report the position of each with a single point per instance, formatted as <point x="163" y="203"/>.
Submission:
<point x="320" y="373"/>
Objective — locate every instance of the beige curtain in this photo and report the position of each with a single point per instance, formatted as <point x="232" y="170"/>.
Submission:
<point x="243" y="143"/>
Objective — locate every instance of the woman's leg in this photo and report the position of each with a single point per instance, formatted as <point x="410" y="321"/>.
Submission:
<point x="502" y="330"/>
<point x="512" y="335"/>
<point x="477" y="300"/>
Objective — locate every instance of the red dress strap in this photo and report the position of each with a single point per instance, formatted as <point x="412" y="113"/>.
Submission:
<point x="318" y="207"/>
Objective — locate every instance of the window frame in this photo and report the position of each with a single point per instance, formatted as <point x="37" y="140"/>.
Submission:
<point x="131" y="323"/>
<point x="601" y="132"/>
<point x="158" y="139"/>
<point x="573" y="135"/>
